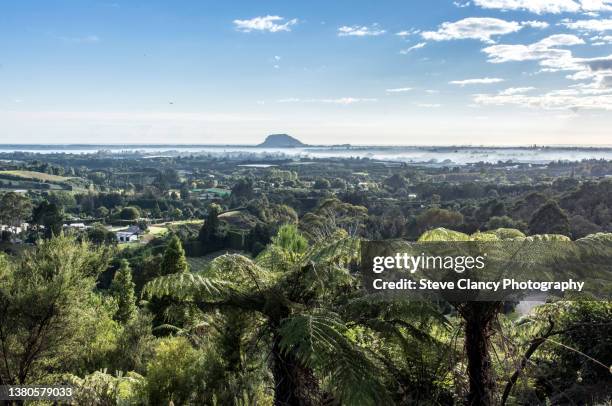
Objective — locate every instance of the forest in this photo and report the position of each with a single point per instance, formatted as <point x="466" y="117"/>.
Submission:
<point x="199" y="279"/>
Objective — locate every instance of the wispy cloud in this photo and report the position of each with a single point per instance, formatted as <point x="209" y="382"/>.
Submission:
<point x="535" y="24"/>
<point x="589" y="25"/>
<point x="472" y="28"/>
<point x="429" y="105"/>
<point x="267" y="23"/>
<point x="599" y="40"/>
<point x="546" y="51"/>
<point x="341" y="100"/>
<point x="412" y="48"/>
<point x="566" y="99"/>
<point x="88" y="39"/>
<point x="478" y="81"/>
<point x="399" y="90"/>
<point x="407" y="33"/>
<point x="546" y="6"/>
<point x="516" y="90"/>
<point x="360" y="31"/>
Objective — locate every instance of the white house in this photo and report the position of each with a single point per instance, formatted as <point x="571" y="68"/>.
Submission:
<point x="126" y="236"/>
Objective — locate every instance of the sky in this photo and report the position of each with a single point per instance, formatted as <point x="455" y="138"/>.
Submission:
<point x="464" y="72"/>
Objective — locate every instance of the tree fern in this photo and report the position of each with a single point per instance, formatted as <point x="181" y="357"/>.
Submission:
<point x="318" y="339"/>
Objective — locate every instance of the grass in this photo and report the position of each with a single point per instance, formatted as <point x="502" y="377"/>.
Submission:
<point x="158" y="230"/>
<point x="199" y="263"/>
<point x="31" y="175"/>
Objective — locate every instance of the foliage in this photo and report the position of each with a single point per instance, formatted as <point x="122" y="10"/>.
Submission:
<point x="103" y="389"/>
<point x="173" y="372"/>
<point x="14" y="208"/>
<point x="549" y="219"/>
<point x="122" y="288"/>
<point x="174" y="260"/>
<point x="42" y="296"/>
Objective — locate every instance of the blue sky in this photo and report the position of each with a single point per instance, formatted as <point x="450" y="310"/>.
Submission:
<point x="362" y="72"/>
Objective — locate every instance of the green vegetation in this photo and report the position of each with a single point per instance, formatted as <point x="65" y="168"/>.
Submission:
<point x="241" y="285"/>
<point x="31" y="175"/>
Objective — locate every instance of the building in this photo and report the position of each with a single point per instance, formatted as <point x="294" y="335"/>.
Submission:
<point x="130" y="234"/>
<point x="215" y="194"/>
<point x="126" y="236"/>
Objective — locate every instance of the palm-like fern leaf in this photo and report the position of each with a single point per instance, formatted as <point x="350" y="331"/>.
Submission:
<point x="318" y="339"/>
<point x="185" y="285"/>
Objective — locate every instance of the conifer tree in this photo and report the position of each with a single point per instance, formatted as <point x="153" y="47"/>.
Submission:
<point x="122" y="289"/>
<point x="174" y="260"/>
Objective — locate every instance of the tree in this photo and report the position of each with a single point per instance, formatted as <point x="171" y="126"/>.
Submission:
<point x="210" y="232"/>
<point x="287" y="286"/>
<point x="436" y="217"/>
<point x="43" y="296"/>
<point x="99" y="234"/>
<point x="496" y="222"/>
<point x="480" y="316"/>
<point x="396" y="182"/>
<point x="242" y="190"/>
<point x="122" y="289"/>
<point x="50" y="216"/>
<point x="102" y="212"/>
<point x="129" y="213"/>
<point x="173" y="372"/>
<point x="14" y="208"/>
<point x="321" y="183"/>
<point x="174" y="260"/>
<point x="330" y="215"/>
<point x="549" y="219"/>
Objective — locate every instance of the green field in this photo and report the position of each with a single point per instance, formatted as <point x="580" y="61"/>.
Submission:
<point x="31" y="175"/>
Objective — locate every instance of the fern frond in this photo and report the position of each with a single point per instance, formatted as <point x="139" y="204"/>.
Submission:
<point x="185" y="285"/>
<point x="340" y="251"/>
<point x="443" y="234"/>
<point x="319" y="341"/>
<point x="243" y="273"/>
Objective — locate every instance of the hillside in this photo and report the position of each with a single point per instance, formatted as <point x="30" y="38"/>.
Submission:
<point x="281" y="141"/>
<point x="31" y="175"/>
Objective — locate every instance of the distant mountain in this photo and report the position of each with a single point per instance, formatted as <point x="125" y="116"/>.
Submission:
<point x="281" y="141"/>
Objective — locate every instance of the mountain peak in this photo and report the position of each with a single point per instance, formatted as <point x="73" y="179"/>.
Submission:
<point x="281" y="141"/>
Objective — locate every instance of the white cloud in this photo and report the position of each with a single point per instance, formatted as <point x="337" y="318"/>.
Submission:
<point x="472" y="28"/>
<point x="535" y="24"/>
<point x="516" y="90"/>
<point x="595" y="94"/>
<point x="399" y="90"/>
<point x="589" y="25"/>
<point x="601" y="40"/>
<point x="412" y="48"/>
<point x="268" y="23"/>
<point x="546" y="51"/>
<point x="461" y="5"/>
<point x="568" y="99"/>
<point x="341" y="100"/>
<point x="547" y="6"/>
<point x="407" y="33"/>
<point x="479" y="81"/>
<point x="591" y="6"/>
<point x="360" y="31"/>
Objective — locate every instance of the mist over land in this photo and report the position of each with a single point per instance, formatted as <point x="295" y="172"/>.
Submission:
<point x="281" y="146"/>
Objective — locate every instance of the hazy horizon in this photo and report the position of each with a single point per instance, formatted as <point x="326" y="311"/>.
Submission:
<point x="481" y="72"/>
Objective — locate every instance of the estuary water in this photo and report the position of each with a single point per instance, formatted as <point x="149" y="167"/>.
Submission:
<point x="443" y="155"/>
